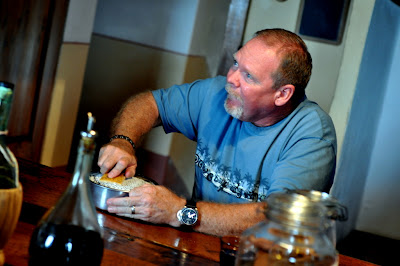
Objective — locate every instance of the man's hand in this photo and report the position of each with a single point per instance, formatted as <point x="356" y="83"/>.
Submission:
<point x="116" y="157"/>
<point x="155" y="204"/>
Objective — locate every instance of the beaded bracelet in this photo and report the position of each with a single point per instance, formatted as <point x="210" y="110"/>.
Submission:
<point x="125" y="138"/>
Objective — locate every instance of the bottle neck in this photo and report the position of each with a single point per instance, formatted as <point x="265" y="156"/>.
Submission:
<point x="83" y="162"/>
<point x="6" y="96"/>
<point x="75" y="205"/>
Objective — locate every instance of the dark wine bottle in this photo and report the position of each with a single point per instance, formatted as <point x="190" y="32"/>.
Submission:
<point x="8" y="163"/>
<point x="69" y="233"/>
<point x="10" y="187"/>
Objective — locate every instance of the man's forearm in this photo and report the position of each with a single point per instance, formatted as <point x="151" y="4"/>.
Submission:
<point x="137" y="117"/>
<point x="228" y="219"/>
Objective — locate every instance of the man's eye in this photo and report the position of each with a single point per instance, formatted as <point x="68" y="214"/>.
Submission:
<point x="248" y="76"/>
<point x="235" y="63"/>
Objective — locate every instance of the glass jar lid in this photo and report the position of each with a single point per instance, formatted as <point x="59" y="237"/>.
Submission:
<point x="295" y="209"/>
<point x="336" y="211"/>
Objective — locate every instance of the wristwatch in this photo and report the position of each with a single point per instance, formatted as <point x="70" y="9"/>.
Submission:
<point x="188" y="215"/>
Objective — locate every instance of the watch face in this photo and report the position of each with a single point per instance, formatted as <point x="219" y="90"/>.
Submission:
<point x="189" y="216"/>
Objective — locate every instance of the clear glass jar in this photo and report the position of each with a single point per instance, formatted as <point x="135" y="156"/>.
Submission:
<point x="294" y="233"/>
<point x="335" y="210"/>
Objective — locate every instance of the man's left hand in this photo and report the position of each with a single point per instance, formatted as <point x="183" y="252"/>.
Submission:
<point x="152" y="203"/>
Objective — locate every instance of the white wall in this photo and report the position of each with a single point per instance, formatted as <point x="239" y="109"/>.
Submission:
<point x="80" y="20"/>
<point x="163" y="24"/>
<point x="380" y="207"/>
<point x="367" y="179"/>
<point x="190" y="27"/>
<point x="357" y="29"/>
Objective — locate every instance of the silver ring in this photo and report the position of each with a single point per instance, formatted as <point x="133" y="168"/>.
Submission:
<point x="133" y="209"/>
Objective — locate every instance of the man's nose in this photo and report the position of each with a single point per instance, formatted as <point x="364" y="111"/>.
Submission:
<point x="233" y="77"/>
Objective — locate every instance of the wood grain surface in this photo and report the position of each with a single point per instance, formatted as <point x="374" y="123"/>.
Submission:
<point x="126" y="241"/>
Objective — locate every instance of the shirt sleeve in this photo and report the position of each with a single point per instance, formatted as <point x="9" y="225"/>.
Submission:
<point x="308" y="158"/>
<point x="309" y="164"/>
<point x="180" y="106"/>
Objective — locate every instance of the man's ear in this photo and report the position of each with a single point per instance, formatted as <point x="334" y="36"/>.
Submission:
<point x="283" y="94"/>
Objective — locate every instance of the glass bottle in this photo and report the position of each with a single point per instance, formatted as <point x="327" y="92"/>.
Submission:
<point x="293" y="234"/>
<point x="69" y="233"/>
<point x="8" y="163"/>
<point x="10" y="188"/>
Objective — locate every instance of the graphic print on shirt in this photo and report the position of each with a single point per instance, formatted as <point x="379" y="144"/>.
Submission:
<point x="226" y="179"/>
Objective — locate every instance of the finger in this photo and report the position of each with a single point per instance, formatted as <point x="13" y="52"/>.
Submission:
<point x="123" y="202"/>
<point x="109" y="156"/>
<point x="106" y="163"/>
<point x="130" y="171"/>
<point x="126" y="215"/>
<point x="100" y="161"/>
<point x="123" y="210"/>
<point x="134" y="216"/>
<point x="118" y="168"/>
<point x="103" y="157"/>
<point x="127" y="212"/>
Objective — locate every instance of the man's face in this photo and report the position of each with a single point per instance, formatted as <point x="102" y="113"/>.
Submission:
<point x="249" y="84"/>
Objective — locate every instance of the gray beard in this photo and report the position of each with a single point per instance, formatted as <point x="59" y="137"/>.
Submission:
<point x="235" y="112"/>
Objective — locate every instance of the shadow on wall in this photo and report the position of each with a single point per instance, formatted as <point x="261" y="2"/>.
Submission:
<point x="117" y="70"/>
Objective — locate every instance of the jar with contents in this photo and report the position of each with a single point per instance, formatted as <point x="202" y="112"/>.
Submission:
<point x="294" y="233"/>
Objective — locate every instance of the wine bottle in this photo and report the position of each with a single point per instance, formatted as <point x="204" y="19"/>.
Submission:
<point x="69" y="233"/>
<point x="10" y="188"/>
<point x="8" y="163"/>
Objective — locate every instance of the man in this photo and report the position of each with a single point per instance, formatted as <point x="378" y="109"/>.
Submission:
<point x="268" y="137"/>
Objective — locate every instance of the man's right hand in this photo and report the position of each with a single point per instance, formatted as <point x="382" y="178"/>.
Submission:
<point x="116" y="157"/>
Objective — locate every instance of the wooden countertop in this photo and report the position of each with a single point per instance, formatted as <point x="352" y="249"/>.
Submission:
<point x="126" y="241"/>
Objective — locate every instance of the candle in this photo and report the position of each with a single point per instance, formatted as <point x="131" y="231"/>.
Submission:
<point x="91" y="121"/>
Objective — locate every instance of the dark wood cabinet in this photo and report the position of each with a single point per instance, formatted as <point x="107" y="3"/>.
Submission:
<point x="30" y="39"/>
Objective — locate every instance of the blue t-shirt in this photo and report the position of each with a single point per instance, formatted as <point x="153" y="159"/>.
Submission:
<point x="237" y="161"/>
